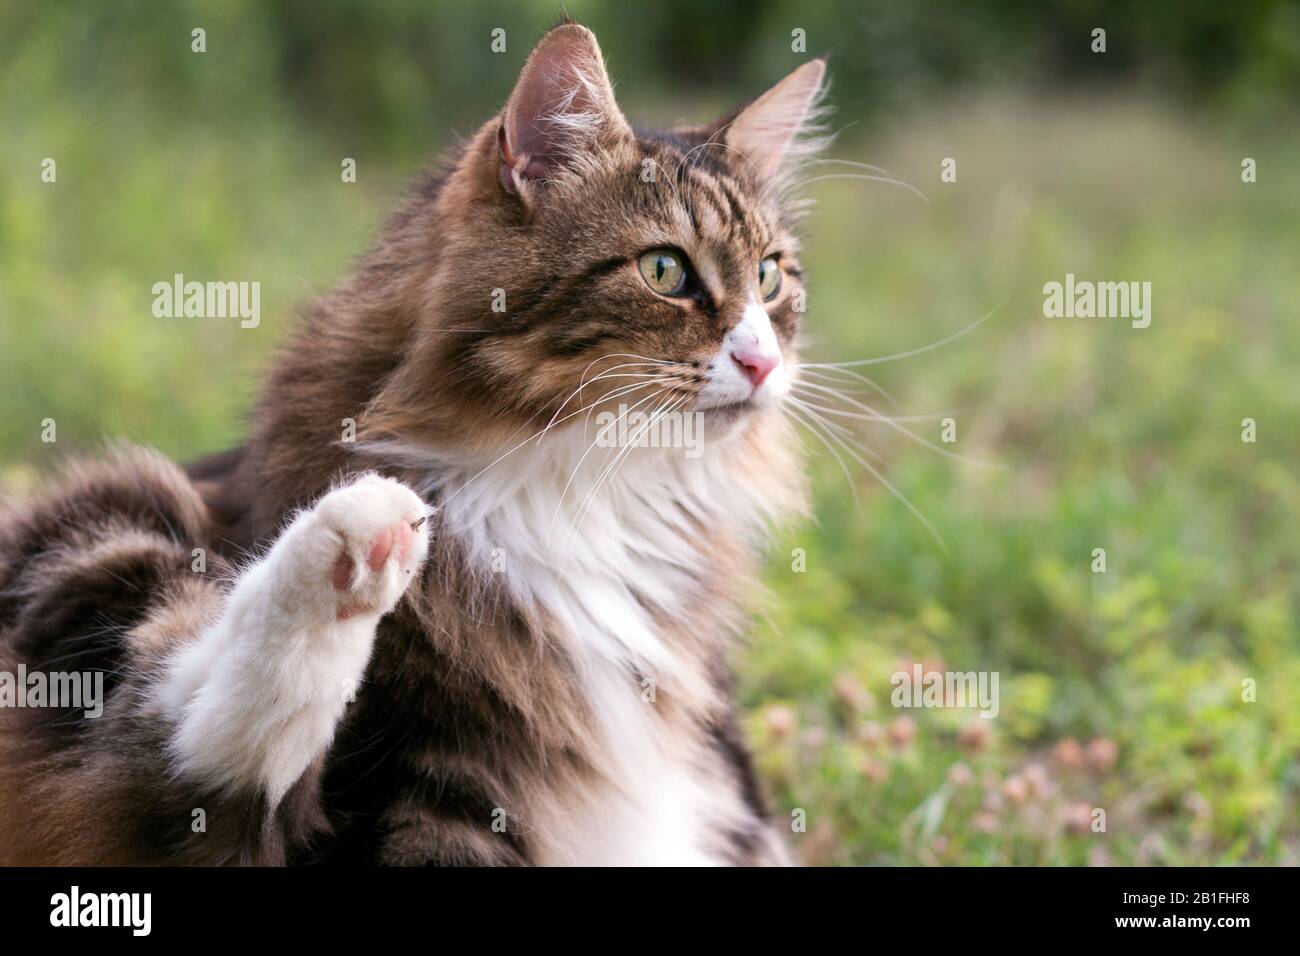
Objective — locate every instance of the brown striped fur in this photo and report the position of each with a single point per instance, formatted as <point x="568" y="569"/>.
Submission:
<point x="468" y="705"/>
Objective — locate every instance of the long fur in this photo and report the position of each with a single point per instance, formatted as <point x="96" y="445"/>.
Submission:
<point x="551" y="685"/>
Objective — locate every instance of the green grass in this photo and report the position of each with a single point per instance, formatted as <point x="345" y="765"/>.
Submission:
<point x="1101" y="436"/>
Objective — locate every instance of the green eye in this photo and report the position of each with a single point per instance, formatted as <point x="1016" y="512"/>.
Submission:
<point x="663" y="271"/>
<point x="769" y="278"/>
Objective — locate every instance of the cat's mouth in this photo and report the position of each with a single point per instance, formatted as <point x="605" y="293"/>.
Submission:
<point x="730" y="411"/>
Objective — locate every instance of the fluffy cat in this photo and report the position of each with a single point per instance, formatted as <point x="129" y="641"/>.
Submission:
<point x="534" y="626"/>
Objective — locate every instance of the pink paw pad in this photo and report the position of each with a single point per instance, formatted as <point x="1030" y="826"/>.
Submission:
<point x="394" y="540"/>
<point x="396" y="537"/>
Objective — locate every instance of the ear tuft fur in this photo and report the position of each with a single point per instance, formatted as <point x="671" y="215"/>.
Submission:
<point x="562" y="103"/>
<point x="783" y="128"/>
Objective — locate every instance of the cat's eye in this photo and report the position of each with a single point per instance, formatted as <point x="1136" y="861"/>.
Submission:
<point x="769" y="278"/>
<point x="663" y="270"/>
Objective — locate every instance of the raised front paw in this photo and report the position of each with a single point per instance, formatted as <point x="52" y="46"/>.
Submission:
<point x="380" y="538"/>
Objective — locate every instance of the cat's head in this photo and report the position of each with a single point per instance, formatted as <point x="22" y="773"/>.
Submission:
<point x="578" y="261"/>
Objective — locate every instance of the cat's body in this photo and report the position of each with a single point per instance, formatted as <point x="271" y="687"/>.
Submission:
<point x="554" y="688"/>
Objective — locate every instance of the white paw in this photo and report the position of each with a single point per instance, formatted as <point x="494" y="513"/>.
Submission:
<point x="379" y="535"/>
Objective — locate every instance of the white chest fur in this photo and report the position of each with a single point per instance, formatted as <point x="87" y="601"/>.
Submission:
<point x="609" y="560"/>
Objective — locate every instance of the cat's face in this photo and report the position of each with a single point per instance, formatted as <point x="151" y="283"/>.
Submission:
<point x="667" y="254"/>
<point x="612" y="269"/>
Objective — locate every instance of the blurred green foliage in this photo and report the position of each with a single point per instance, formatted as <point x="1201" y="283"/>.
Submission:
<point x="1103" y="436"/>
<point x="396" y="73"/>
<point x="1121" y="690"/>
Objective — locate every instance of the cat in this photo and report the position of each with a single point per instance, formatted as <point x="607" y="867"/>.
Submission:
<point x="469" y="636"/>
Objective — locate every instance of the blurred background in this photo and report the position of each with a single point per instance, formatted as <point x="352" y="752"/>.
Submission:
<point x="1119" y="690"/>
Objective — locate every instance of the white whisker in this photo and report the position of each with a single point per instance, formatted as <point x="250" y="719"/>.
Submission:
<point x="848" y="162"/>
<point x="879" y="416"/>
<point x="599" y="435"/>
<point x="879" y="179"/>
<point x="663" y="410"/>
<point x="514" y="449"/>
<point x="925" y="348"/>
<point x="827" y="375"/>
<point x="848" y="477"/>
<point x="880" y="477"/>
<point x="875" y="416"/>
<point x="836" y="427"/>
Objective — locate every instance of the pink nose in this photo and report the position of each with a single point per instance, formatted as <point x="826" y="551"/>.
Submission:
<point x="756" y="365"/>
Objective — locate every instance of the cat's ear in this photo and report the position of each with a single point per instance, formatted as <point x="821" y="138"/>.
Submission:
<point x="562" y="103"/>
<point x="775" y="131"/>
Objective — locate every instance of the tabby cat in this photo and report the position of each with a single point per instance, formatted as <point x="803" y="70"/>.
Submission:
<point x="474" y="634"/>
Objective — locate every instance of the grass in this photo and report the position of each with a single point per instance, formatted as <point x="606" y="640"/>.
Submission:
<point x="1120" y="691"/>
